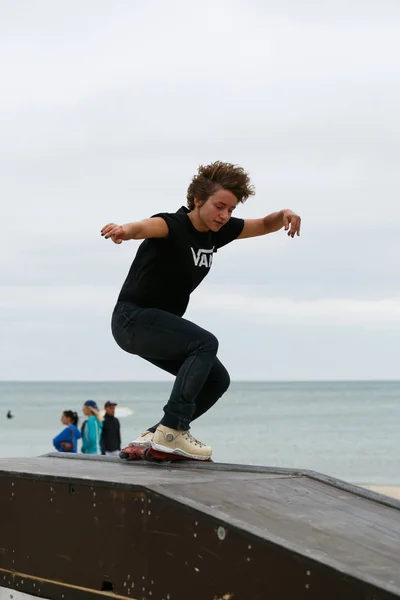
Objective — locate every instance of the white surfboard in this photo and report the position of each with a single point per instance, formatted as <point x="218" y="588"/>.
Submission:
<point x="120" y="412"/>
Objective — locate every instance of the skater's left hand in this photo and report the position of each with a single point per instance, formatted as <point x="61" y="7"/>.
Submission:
<point x="291" y="222"/>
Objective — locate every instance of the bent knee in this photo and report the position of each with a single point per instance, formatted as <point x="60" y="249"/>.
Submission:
<point x="208" y="343"/>
<point x="219" y="378"/>
<point x="225" y="380"/>
<point x="213" y="343"/>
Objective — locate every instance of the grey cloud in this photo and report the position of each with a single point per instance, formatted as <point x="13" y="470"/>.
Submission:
<point x="352" y="263"/>
<point x="270" y="350"/>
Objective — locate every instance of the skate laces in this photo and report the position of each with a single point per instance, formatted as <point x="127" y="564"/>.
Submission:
<point x="193" y="440"/>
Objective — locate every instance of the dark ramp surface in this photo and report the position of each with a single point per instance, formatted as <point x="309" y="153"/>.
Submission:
<point x="200" y="530"/>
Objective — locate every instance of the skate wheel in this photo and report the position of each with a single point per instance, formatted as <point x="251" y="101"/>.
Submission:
<point x="132" y="453"/>
<point x="155" y="456"/>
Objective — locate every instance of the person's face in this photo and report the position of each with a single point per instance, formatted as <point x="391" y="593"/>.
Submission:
<point x="217" y="210"/>
<point x="65" y="420"/>
<point x="110" y="410"/>
<point x="86" y="411"/>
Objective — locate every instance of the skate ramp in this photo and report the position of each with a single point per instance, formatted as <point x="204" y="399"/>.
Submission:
<point x="76" y="527"/>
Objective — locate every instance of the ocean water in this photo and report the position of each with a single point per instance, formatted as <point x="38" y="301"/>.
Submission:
<point x="349" y="430"/>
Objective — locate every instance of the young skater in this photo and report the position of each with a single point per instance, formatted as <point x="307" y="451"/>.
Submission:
<point x="172" y="261"/>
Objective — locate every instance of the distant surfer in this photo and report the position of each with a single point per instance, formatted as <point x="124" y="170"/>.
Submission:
<point x="10" y="415"/>
<point x="176" y="255"/>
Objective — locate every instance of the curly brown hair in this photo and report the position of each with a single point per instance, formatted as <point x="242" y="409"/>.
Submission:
<point x="219" y="175"/>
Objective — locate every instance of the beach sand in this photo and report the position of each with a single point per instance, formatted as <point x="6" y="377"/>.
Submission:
<point x="389" y="490"/>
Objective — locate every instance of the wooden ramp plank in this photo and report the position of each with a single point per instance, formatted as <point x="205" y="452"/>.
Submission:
<point x="354" y="534"/>
<point x="290" y="519"/>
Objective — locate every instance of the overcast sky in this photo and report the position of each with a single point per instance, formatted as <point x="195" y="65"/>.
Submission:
<point x="106" y="110"/>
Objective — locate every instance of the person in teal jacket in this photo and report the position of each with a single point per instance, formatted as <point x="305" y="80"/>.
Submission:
<point x="91" y="429"/>
<point x="67" y="440"/>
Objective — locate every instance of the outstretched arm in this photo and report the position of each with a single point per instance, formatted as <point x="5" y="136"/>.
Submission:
<point x="284" y="218"/>
<point x="141" y="230"/>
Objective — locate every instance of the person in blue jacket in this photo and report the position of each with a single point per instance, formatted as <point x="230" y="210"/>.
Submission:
<point x="67" y="440"/>
<point x="91" y="429"/>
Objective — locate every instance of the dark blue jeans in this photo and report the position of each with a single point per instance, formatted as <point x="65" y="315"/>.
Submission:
<point x="179" y="347"/>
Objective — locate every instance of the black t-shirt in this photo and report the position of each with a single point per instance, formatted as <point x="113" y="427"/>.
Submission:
<point x="166" y="270"/>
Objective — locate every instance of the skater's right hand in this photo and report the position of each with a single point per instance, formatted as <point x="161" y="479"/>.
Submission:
<point x="118" y="233"/>
<point x="155" y="227"/>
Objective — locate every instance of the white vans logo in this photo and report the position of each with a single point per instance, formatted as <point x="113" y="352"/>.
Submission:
<point x="203" y="257"/>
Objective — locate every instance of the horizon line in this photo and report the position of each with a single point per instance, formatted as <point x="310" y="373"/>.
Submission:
<point x="345" y="380"/>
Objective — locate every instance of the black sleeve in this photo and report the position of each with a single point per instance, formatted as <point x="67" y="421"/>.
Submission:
<point x="103" y="437"/>
<point x="229" y="232"/>
<point x="174" y="223"/>
<point x="104" y="430"/>
<point x="119" y="435"/>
